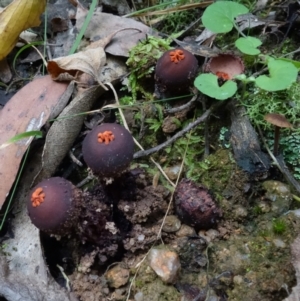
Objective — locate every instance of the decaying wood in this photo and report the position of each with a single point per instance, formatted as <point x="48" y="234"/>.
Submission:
<point x="245" y="143"/>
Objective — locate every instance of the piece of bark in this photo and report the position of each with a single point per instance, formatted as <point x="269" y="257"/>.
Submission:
<point x="245" y="143"/>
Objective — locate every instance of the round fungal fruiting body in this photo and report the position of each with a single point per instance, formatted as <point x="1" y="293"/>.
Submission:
<point x="225" y="65"/>
<point x="108" y="149"/>
<point x="176" y="70"/>
<point x="195" y="205"/>
<point x="53" y="205"/>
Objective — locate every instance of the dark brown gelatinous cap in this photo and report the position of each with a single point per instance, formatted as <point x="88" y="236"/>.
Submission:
<point x="195" y="205"/>
<point x="225" y="66"/>
<point x="277" y="120"/>
<point x="108" y="149"/>
<point x="176" y="70"/>
<point x="53" y="205"/>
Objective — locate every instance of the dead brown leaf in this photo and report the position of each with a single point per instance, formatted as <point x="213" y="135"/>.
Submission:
<point x="90" y="61"/>
<point x="27" y="110"/>
<point x="103" y="24"/>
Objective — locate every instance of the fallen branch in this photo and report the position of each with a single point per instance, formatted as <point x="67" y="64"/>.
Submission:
<point x="181" y="133"/>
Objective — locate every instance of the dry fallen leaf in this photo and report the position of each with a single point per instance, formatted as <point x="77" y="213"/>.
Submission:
<point x="15" y="18"/>
<point x="90" y="61"/>
<point x="103" y="24"/>
<point x="27" y="110"/>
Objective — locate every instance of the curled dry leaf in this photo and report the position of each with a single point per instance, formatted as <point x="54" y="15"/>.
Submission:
<point x="27" y="110"/>
<point x="103" y="24"/>
<point x="90" y="61"/>
<point x="15" y="18"/>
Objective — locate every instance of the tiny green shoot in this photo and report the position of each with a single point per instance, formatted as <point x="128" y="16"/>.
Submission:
<point x="18" y="137"/>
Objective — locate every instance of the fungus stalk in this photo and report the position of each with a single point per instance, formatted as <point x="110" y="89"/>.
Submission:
<point x="276" y="140"/>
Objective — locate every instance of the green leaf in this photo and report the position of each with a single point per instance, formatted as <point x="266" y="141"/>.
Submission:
<point x="219" y="16"/>
<point x="282" y="75"/>
<point x="208" y="85"/>
<point x="295" y="63"/>
<point x="37" y="134"/>
<point x="248" y="45"/>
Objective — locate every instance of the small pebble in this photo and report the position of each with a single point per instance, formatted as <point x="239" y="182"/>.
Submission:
<point x="165" y="264"/>
<point x="139" y="296"/>
<point x="238" y="279"/>
<point x="172" y="224"/>
<point x="279" y="243"/>
<point x="117" y="276"/>
<point x="185" y="230"/>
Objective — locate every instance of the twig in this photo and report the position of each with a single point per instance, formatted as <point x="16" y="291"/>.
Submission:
<point x="183" y="107"/>
<point x="179" y="134"/>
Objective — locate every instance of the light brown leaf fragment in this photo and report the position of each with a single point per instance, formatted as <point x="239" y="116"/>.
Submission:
<point x="90" y="61"/>
<point x="15" y="18"/>
<point x="27" y="110"/>
<point x="103" y="24"/>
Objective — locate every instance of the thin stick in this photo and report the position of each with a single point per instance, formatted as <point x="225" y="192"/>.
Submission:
<point x="179" y="134"/>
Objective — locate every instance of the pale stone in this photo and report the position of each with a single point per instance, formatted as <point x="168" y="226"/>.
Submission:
<point x="165" y="263"/>
<point x="117" y="276"/>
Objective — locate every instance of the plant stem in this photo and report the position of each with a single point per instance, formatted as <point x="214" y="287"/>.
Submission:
<point x="276" y="140"/>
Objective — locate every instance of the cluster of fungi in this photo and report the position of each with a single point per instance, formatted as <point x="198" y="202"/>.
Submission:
<point x="55" y="204"/>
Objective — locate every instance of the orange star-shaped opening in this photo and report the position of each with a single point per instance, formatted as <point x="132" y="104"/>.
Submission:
<point x="222" y="75"/>
<point x="176" y="56"/>
<point x="37" y="197"/>
<point x="106" y="137"/>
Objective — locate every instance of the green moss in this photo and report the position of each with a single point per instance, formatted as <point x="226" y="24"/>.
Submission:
<point x="141" y="62"/>
<point x="279" y="226"/>
<point x="258" y="103"/>
<point x="216" y="170"/>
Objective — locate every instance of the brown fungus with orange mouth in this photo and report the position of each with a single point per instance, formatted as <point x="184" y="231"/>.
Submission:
<point x="53" y="205"/>
<point x="225" y="65"/>
<point x="175" y="71"/>
<point x="108" y="149"/>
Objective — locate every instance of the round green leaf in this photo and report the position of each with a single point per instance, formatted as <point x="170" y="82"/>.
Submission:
<point x="219" y="16"/>
<point x="282" y="75"/>
<point x="208" y="84"/>
<point x="248" y="45"/>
